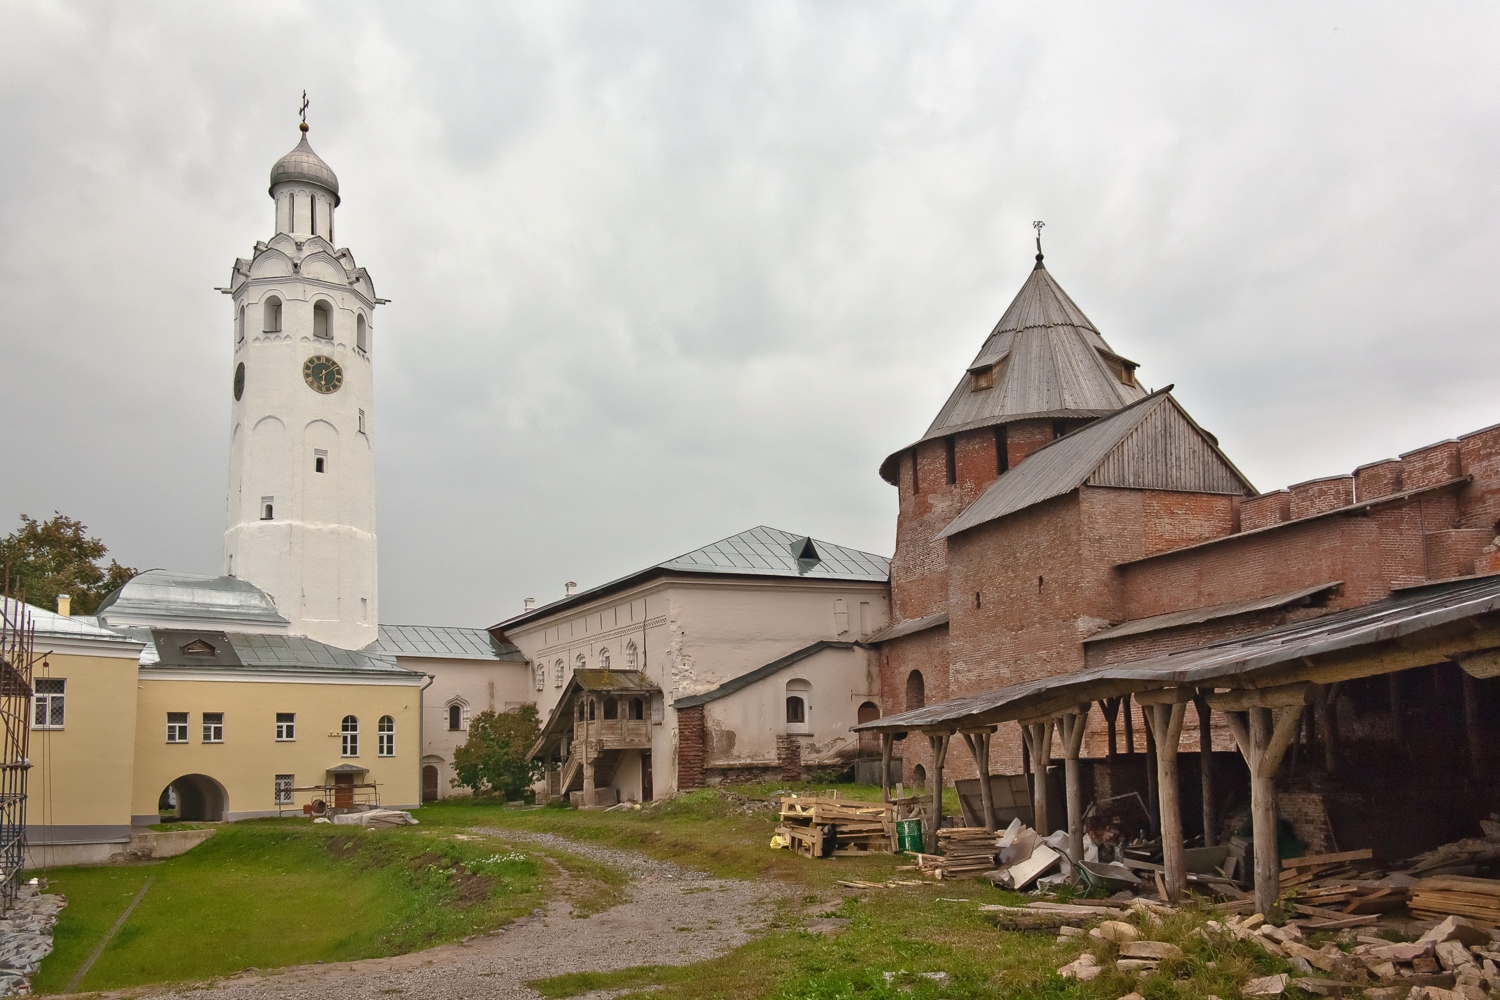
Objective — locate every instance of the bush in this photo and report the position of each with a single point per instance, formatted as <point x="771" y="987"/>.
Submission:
<point x="493" y="759"/>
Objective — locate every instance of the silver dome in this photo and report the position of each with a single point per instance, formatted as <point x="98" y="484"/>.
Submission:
<point x="302" y="164"/>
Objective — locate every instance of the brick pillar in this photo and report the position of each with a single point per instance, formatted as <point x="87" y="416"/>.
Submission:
<point x="690" y="748"/>
<point x="789" y="756"/>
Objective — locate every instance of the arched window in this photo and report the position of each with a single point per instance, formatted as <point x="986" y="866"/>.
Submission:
<point x="637" y="708"/>
<point x="385" y="736"/>
<point x="868" y="712"/>
<point x="455" y="717"/>
<point x="239" y="327"/>
<point x="603" y="659"/>
<point x="798" y="698"/>
<point x="312" y="211"/>
<point x="919" y="776"/>
<point x="632" y="657"/>
<point x="322" y="321"/>
<point x="580" y="663"/>
<point x="541" y="676"/>
<point x="561" y="672"/>
<point x="362" y="334"/>
<point x="349" y="733"/>
<point x="271" y="321"/>
<point x="593" y="708"/>
<point x="611" y="709"/>
<point x="581" y="710"/>
<point x="916" y="690"/>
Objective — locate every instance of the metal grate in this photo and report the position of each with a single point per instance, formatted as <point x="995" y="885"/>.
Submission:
<point x="17" y="659"/>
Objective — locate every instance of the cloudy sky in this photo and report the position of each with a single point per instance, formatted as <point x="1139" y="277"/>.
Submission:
<point x="661" y="272"/>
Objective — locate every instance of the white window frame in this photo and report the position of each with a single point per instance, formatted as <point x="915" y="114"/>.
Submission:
<point x="50" y="707"/>
<point x="286" y="727"/>
<point x="213" y="732"/>
<point x="177" y="728"/>
<point x="349" y="738"/>
<point x="385" y="737"/>
<point x="284" y="785"/>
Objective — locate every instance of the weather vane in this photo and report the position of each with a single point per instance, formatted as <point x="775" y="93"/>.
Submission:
<point x="303" y="110"/>
<point x="1037" y="225"/>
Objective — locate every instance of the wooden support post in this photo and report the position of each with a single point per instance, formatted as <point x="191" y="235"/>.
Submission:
<point x="1129" y="724"/>
<point x="1073" y="725"/>
<point x="939" y="744"/>
<point x="1111" y="708"/>
<point x="979" y="746"/>
<point x="1471" y="726"/>
<point x="1039" y="743"/>
<point x="1328" y="727"/>
<point x="1206" y="769"/>
<point x="588" y="758"/>
<point x="1153" y="795"/>
<point x="1263" y="736"/>
<point x="1393" y="683"/>
<point x="886" y="739"/>
<point x="1164" y="722"/>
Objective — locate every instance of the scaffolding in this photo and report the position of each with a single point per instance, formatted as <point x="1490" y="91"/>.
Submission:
<point x="17" y="658"/>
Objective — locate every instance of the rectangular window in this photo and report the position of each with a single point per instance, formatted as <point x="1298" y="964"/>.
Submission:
<point x="1002" y="450"/>
<point x="177" y="723"/>
<point x="361" y="421"/>
<point x="213" y="727"/>
<point x="49" y="703"/>
<point x="916" y="482"/>
<point x="1058" y="429"/>
<point x="284" y="785"/>
<point x="286" y="727"/>
<point x="952" y="458"/>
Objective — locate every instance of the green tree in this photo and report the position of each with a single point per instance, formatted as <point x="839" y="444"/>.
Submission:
<point x="47" y="558"/>
<point x="493" y="759"/>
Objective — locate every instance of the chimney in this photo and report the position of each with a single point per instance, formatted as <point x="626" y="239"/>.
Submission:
<point x="528" y="604"/>
<point x="65" y="605"/>
<point x="569" y="588"/>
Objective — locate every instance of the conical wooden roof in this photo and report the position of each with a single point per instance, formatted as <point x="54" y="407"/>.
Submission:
<point x="1046" y="360"/>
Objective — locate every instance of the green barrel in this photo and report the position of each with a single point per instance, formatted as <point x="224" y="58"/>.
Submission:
<point x="909" y="836"/>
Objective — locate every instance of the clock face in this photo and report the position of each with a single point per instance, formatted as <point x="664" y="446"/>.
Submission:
<point x="322" y="373"/>
<point x="239" y="381"/>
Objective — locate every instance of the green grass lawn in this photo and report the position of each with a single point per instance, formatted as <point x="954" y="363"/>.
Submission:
<point x="269" y="893"/>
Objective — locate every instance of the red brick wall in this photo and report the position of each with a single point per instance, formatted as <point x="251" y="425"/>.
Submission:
<point x="690" y="748"/>
<point x="1319" y="495"/>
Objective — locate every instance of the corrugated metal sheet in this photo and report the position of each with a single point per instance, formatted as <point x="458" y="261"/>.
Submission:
<point x="910" y="627"/>
<point x="280" y="653"/>
<point x="442" y="642"/>
<point x="1054" y="363"/>
<point x="1223" y="664"/>
<point x="1195" y="616"/>
<point x="1168" y="451"/>
<point x="1157" y="457"/>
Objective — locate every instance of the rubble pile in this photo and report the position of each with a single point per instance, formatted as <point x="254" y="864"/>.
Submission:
<point x="26" y="938"/>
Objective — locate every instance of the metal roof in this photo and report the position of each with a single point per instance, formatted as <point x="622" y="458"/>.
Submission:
<point x="561" y="716"/>
<point x="1062" y="466"/>
<point x="909" y="627"/>
<point x="744" y="680"/>
<point x="442" y="642"/>
<point x="259" y="652"/>
<point x="1195" y="616"/>
<point x="1054" y="364"/>
<point x="302" y="164"/>
<point x="50" y="625"/>
<point x="1256" y="657"/>
<point x="761" y="551"/>
<point x="162" y="597"/>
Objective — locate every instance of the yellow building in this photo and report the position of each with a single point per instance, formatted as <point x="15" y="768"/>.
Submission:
<point x="133" y="724"/>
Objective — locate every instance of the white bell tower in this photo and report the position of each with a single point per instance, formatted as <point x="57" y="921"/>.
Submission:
<point x="301" y="506"/>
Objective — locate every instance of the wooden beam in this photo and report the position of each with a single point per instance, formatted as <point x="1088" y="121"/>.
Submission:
<point x="979" y="747"/>
<point x="1238" y="700"/>
<point x="1471" y="725"/>
<point x="1165" y="721"/>
<point x="939" y="743"/>
<point x="1206" y="769"/>
<point x="1039" y="742"/>
<point x="1111" y="708"/>
<point x="1481" y="666"/>
<point x="1166" y="696"/>
<point x="887" y="741"/>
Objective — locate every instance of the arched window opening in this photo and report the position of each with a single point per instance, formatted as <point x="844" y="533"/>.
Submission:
<point x="322" y="321"/>
<point x="868" y="712"/>
<point x="798" y="703"/>
<point x="919" y="776"/>
<point x="580" y="663"/>
<point x="561" y="673"/>
<point x="268" y="508"/>
<point x="362" y="334"/>
<point x="916" y="690"/>
<point x="271" y="321"/>
<point x="541" y="676"/>
<point x="611" y="709"/>
<point x="796" y="710"/>
<point x="632" y="657"/>
<point x="239" y="327"/>
<point x="349" y="737"/>
<point x="637" y="708"/>
<point x="320" y="460"/>
<point x="593" y="709"/>
<point x="312" y="211"/>
<point x="603" y="659"/>
<point x="455" y="717"/>
<point x="385" y="736"/>
<point x="581" y="714"/>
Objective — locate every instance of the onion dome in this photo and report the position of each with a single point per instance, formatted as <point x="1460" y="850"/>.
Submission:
<point x="302" y="164"/>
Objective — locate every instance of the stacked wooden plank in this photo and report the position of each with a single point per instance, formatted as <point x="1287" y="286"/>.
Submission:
<point x="821" y="826"/>
<point x="1478" y="899"/>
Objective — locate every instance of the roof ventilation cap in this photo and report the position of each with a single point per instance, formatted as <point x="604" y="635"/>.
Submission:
<point x="806" y="554"/>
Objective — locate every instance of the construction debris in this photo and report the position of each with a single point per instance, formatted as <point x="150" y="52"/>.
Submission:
<point x="375" y="819"/>
<point x="823" y="826"/>
<point x="1476" y="898"/>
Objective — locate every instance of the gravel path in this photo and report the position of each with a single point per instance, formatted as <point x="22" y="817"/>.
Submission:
<point x="674" y="916"/>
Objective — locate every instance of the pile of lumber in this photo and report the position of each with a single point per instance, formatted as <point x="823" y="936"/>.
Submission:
<point x="966" y="850"/>
<point x="1442" y="895"/>
<point x="1343" y="890"/>
<point x="823" y="826"/>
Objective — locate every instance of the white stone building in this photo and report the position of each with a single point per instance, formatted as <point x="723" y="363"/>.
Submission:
<point x="697" y="665"/>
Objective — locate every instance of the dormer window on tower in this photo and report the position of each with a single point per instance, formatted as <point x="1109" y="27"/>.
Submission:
<point x="981" y="377"/>
<point x="322" y="321"/>
<point x="362" y="334"/>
